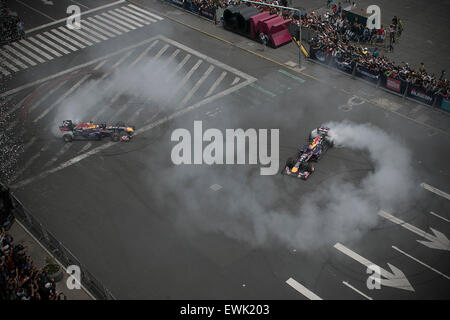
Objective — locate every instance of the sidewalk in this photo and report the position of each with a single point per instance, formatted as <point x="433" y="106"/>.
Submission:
<point x="39" y="255"/>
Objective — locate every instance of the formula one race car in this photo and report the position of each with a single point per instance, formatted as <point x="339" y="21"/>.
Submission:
<point x="92" y="131"/>
<point x="302" y="165"/>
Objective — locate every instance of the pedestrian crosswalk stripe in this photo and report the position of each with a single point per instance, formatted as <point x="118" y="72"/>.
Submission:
<point x="118" y="21"/>
<point x="145" y="11"/>
<point x="48" y="34"/>
<point x="111" y="23"/>
<point x="61" y="40"/>
<point x="138" y="14"/>
<point x="18" y="54"/>
<point x="98" y="29"/>
<point x="45" y="46"/>
<point x="84" y="34"/>
<point x="73" y="35"/>
<point x="54" y="45"/>
<point x="134" y="17"/>
<point x="42" y="53"/>
<point x="68" y="39"/>
<point x="16" y="61"/>
<point x="5" y="72"/>
<point x="104" y="26"/>
<point x="117" y="14"/>
<point x="84" y="25"/>
<point x="26" y="51"/>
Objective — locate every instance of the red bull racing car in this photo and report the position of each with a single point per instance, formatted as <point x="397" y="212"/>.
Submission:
<point x="91" y="131"/>
<point x="302" y="165"/>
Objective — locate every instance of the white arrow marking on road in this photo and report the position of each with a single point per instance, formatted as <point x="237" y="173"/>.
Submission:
<point x="435" y="190"/>
<point x="440" y="241"/>
<point x="422" y="263"/>
<point x="397" y="279"/>
<point x="436" y="215"/>
<point x="302" y="289"/>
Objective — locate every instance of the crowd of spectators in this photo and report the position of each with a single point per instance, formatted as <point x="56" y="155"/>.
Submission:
<point x="339" y="38"/>
<point x="11" y="26"/>
<point x="19" y="278"/>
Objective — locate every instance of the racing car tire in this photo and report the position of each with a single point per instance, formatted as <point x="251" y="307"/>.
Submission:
<point x="67" y="138"/>
<point x="290" y="162"/>
<point x="115" y="137"/>
<point x="310" y="167"/>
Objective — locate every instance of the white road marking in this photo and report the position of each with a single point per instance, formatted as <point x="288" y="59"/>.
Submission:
<point x="85" y="148"/>
<point x="129" y="26"/>
<point x="236" y="80"/>
<point x="435" y="190"/>
<point x="132" y="64"/>
<point x="139" y="131"/>
<point x="48" y="34"/>
<point x="84" y="34"/>
<point x="17" y="106"/>
<point x="29" y="162"/>
<point x="111" y="23"/>
<point x="303" y="290"/>
<point x="8" y="65"/>
<point x="215" y="84"/>
<point x="436" y="215"/>
<point x="109" y="34"/>
<point x="29" y="143"/>
<point x="104" y="26"/>
<point x="145" y="11"/>
<point x="138" y="14"/>
<point x="42" y="53"/>
<point x="63" y="150"/>
<point x="396" y="279"/>
<point x="21" y="56"/>
<point x="178" y="67"/>
<point x="356" y="290"/>
<point x="66" y="94"/>
<point x="68" y="39"/>
<point x="172" y="56"/>
<point x="135" y="115"/>
<point x="46" y="95"/>
<point x="438" y="241"/>
<point x="120" y="16"/>
<point x="422" y="263"/>
<point x="160" y="52"/>
<point x="28" y="52"/>
<point x="73" y="35"/>
<point x="82" y="13"/>
<point x="45" y="47"/>
<point x="124" y="13"/>
<point x="5" y="72"/>
<point x="196" y="86"/>
<point x="17" y="62"/>
<point x="54" y="45"/>
<point x="185" y="79"/>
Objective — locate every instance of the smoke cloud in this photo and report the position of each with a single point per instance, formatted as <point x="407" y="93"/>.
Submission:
<point x="262" y="211"/>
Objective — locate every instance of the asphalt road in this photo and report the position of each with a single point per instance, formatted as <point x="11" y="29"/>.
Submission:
<point x="151" y="230"/>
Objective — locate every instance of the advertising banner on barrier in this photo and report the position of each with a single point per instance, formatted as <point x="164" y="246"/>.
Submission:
<point x="207" y="13"/>
<point x="393" y="84"/>
<point x="343" y="65"/>
<point x="418" y="93"/>
<point x="178" y="2"/>
<point x="367" y="74"/>
<point x="445" y="104"/>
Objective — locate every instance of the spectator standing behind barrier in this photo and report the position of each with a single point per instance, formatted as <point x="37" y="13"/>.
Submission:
<point x="264" y="39"/>
<point x="20" y="29"/>
<point x="422" y="67"/>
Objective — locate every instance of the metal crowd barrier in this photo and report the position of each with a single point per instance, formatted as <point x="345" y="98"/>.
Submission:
<point x="59" y="251"/>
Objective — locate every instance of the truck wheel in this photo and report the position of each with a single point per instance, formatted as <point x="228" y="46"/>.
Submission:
<point x="67" y="138"/>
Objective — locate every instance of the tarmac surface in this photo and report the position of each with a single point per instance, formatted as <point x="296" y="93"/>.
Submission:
<point x="150" y="230"/>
